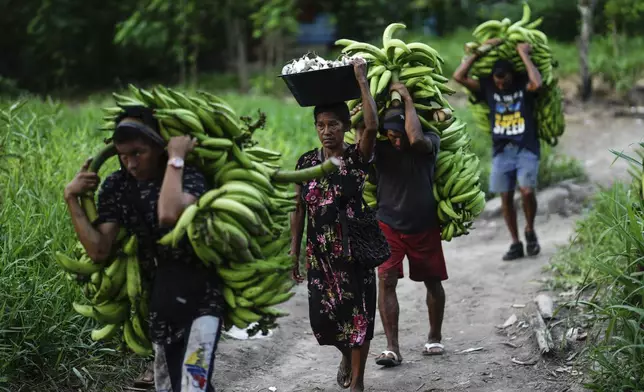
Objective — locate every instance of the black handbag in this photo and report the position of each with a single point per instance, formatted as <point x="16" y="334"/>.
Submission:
<point x="362" y="238"/>
<point x="362" y="234"/>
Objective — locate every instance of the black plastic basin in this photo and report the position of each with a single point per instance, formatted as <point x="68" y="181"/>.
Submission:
<point x="323" y="87"/>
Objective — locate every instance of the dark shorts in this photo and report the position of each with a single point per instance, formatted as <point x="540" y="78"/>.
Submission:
<point x="424" y="251"/>
<point x="512" y="166"/>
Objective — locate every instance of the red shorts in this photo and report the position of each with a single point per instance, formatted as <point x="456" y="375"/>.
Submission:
<point x="424" y="251"/>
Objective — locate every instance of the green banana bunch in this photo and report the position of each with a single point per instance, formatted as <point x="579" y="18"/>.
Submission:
<point x="115" y="295"/>
<point x="419" y="67"/>
<point x="549" y="104"/>
<point x="240" y="226"/>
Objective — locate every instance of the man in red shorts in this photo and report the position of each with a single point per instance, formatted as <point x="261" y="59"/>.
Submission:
<point x="407" y="216"/>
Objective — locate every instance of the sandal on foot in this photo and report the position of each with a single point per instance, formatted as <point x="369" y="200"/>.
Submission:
<point x="384" y="359"/>
<point x="430" y="349"/>
<point x="343" y="378"/>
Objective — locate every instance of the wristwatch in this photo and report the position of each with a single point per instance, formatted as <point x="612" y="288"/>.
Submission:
<point x="176" y="162"/>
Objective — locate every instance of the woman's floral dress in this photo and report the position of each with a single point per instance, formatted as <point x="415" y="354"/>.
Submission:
<point x="342" y="296"/>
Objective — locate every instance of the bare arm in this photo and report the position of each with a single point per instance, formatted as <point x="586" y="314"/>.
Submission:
<point x="172" y="199"/>
<point x="413" y="127"/>
<point x="367" y="137"/>
<point x="297" y="231"/>
<point x="461" y="75"/>
<point x="534" y="75"/>
<point x="97" y="242"/>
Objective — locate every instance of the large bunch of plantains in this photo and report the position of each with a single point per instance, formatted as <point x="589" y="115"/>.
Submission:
<point x="419" y="67"/>
<point x="239" y="226"/>
<point x="549" y="104"/>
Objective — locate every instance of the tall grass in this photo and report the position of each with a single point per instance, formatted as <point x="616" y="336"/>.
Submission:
<point x="606" y="263"/>
<point x="44" y="345"/>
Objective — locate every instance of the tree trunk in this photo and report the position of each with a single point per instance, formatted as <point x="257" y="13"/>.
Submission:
<point x="194" y="63"/>
<point x="615" y="39"/>
<point x="586" y="10"/>
<point x="270" y="51"/>
<point x="242" y="58"/>
<point x="183" y="38"/>
<point x="230" y="52"/>
<point x="279" y="51"/>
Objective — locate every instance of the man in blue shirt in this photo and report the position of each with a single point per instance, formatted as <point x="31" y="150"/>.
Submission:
<point x="511" y="98"/>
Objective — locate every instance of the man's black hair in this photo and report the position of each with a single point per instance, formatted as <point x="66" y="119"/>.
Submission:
<point x="340" y="109"/>
<point x="502" y="67"/>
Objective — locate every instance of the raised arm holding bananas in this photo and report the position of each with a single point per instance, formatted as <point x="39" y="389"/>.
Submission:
<point x="511" y="98"/>
<point x="407" y="215"/>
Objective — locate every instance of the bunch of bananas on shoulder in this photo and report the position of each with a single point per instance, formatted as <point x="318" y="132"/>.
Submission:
<point x="419" y="67"/>
<point x="239" y="226"/>
<point x="549" y="104"/>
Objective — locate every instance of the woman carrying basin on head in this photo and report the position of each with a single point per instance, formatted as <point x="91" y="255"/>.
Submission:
<point x="342" y="294"/>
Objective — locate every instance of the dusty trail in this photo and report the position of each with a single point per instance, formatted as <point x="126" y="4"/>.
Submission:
<point x="481" y="293"/>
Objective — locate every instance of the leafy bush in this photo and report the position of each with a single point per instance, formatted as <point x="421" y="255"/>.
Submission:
<point x="606" y="261"/>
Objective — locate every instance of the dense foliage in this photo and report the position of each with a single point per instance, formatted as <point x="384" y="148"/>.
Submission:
<point x="94" y="44"/>
<point x="606" y="264"/>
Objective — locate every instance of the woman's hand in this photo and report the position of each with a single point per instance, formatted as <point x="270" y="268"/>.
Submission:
<point x="296" y="275"/>
<point x="524" y="48"/>
<point x="360" y="69"/>
<point x="84" y="181"/>
<point x="180" y="146"/>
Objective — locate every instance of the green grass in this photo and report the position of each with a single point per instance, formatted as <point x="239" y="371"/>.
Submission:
<point x="603" y="263"/>
<point x="44" y="345"/>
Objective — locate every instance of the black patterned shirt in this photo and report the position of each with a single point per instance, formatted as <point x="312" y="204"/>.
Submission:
<point x="181" y="288"/>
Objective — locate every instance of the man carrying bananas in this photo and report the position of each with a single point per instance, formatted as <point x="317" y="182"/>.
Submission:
<point x="146" y="197"/>
<point x="408" y="219"/>
<point x="516" y="151"/>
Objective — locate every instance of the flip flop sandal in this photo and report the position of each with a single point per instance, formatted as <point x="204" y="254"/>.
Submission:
<point x="385" y="360"/>
<point x="343" y="378"/>
<point x="429" y="346"/>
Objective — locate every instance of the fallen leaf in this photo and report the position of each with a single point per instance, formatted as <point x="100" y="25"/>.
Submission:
<point x="469" y="350"/>
<point x="518" y="306"/>
<point x="514" y="360"/>
<point x="572" y="334"/>
<point x="510" y="344"/>
<point x="272" y="389"/>
<point x="510" y="321"/>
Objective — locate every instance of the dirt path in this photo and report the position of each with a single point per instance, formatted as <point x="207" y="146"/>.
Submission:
<point x="481" y="293"/>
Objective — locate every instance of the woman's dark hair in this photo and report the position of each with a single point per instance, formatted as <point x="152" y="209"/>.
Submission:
<point x="127" y="134"/>
<point x="340" y="109"/>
